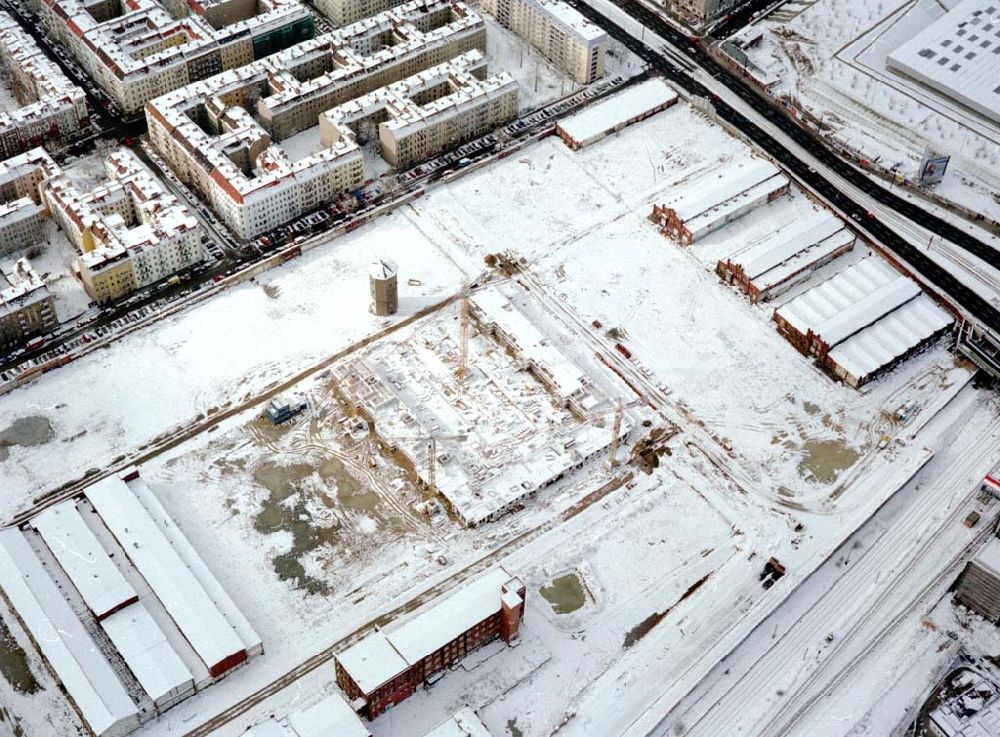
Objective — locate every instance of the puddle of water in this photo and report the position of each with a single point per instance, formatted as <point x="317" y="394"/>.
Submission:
<point x="277" y="514"/>
<point x="565" y="594"/>
<point x="512" y="728"/>
<point x="825" y="459"/>
<point x="350" y="492"/>
<point x="14" y="664"/>
<point x="288" y="508"/>
<point x="25" y="431"/>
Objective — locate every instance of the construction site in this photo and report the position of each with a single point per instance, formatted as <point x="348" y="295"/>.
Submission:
<point x="486" y="418"/>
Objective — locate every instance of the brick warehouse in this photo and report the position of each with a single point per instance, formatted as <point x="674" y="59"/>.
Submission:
<point x="386" y="667"/>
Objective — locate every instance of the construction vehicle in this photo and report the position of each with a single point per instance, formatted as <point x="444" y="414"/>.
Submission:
<point x="773" y="570"/>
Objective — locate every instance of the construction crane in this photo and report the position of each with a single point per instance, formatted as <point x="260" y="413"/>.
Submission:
<point x="616" y="427"/>
<point x="431" y="441"/>
<point x="463" y="346"/>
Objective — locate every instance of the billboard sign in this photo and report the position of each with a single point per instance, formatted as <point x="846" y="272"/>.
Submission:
<point x="932" y="167"/>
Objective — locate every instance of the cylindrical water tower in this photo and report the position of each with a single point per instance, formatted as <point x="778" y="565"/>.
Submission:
<point x="385" y="294"/>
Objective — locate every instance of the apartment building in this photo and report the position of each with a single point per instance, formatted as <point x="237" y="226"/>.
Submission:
<point x="387" y="666"/>
<point x="457" y="104"/>
<point x="23" y="208"/>
<point x="26" y="306"/>
<point x="131" y="232"/>
<point x="54" y="109"/>
<point x="564" y="37"/>
<point x="700" y="11"/>
<point x="136" y="50"/>
<point x="222" y="136"/>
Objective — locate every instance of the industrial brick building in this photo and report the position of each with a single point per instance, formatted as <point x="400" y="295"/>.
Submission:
<point x="23" y="208"/>
<point x="979" y="585"/>
<point x="130" y="232"/>
<point x="457" y="103"/>
<point x="54" y="110"/>
<point x="786" y="256"/>
<point x="387" y="666"/>
<point x="222" y="136"/>
<point x="136" y="50"/>
<point x="26" y="305"/>
<point x="862" y="321"/>
<point x="120" y="606"/>
<point x="710" y="204"/>
<point x="558" y="31"/>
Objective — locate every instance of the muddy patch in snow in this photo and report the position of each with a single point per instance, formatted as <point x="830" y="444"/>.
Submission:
<point x="565" y="594"/>
<point x="25" y="431"/>
<point x="823" y="460"/>
<point x="14" y="664"/>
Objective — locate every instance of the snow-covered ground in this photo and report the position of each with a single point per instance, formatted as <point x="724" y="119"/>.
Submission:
<point x="670" y="559"/>
<point x="831" y="58"/>
<point x="53" y="259"/>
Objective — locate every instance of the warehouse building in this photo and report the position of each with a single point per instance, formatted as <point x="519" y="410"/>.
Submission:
<point x="27" y="308"/>
<point x="558" y="31"/>
<point x="119" y="605"/>
<point x="862" y="321"/>
<point x="710" y="204"/>
<point x="616" y="113"/>
<point x="786" y="256"/>
<point x="136" y="50"/>
<point x="222" y="135"/>
<point x="457" y="103"/>
<point x="978" y="587"/>
<point x="23" y="208"/>
<point x="387" y="666"/>
<point x="958" y="55"/>
<point x="130" y="232"/>
<point x="54" y="109"/>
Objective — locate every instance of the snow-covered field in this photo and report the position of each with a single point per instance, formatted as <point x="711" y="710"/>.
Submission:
<point x="673" y="556"/>
<point x="831" y="58"/>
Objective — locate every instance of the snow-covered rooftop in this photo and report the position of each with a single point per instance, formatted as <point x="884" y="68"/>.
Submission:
<point x="88" y="678"/>
<point x="464" y="723"/>
<point x="193" y="611"/>
<point x="605" y="115"/>
<point x="892" y="336"/>
<point x="86" y="562"/>
<point x="710" y="191"/>
<point x="785" y="242"/>
<point x="331" y="717"/>
<point x="384" y="654"/>
<point x="146" y="651"/>
<point x="959" y="56"/>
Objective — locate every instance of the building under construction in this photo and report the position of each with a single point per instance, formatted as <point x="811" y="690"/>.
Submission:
<point x="520" y="417"/>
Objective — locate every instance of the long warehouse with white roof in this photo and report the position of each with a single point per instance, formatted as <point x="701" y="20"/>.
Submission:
<point x="861" y="321"/>
<point x="105" y="579"/>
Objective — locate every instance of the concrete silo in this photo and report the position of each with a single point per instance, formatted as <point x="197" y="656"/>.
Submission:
<point x="385" y="294"/>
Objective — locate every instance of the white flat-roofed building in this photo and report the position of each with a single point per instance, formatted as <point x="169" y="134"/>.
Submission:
<point x="786" y="256"/>
<point x="615" y="113"/>
<point x="90" y="682"/>
<point x="233" y="155"/>
<point x="713" y="202"/>
<point x="958" y="55"/>
<point x="862" y="320"/>
<point x="151" y="658"/>
<point x="463" y="723"/>
<point x="175" y="584"/>
<point x="559" y="31"/>
<point x="85" y="561"/>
